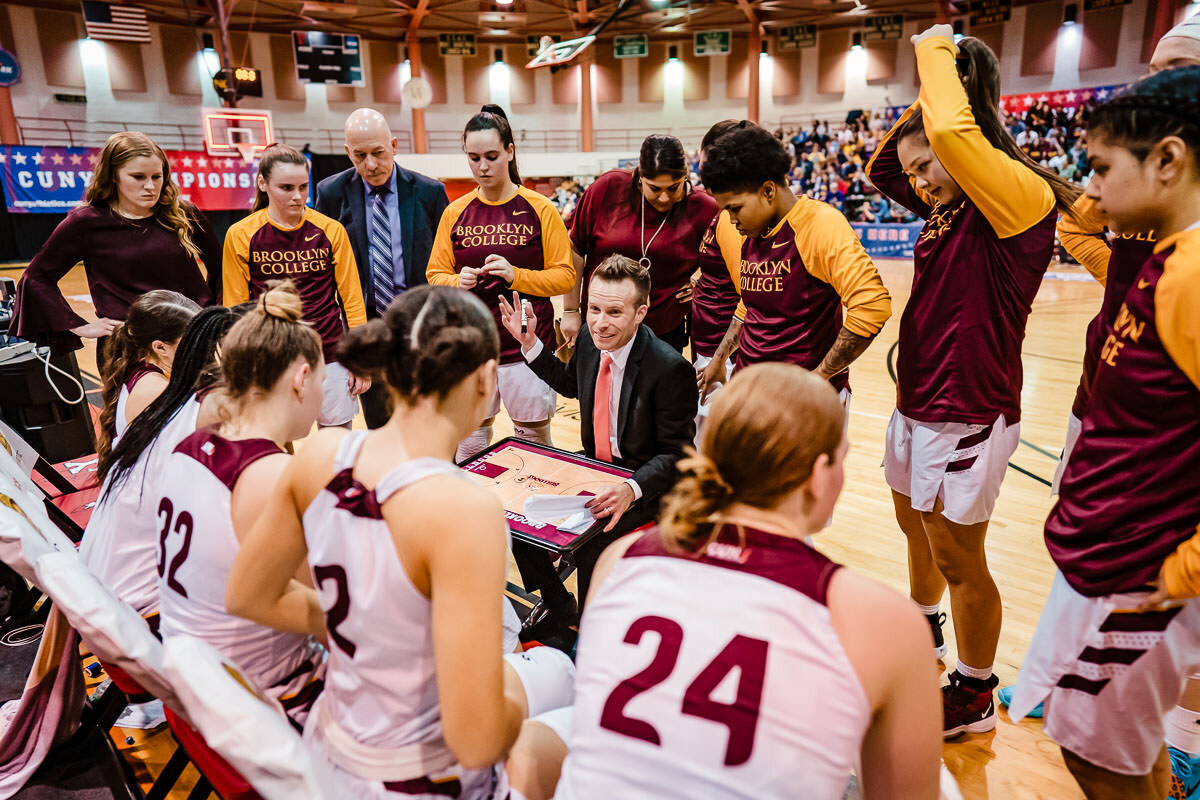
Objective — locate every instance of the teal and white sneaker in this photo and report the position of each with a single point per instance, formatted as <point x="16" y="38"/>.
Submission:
<point x="1005" y="697"/>
<point x="1185" y="775"/>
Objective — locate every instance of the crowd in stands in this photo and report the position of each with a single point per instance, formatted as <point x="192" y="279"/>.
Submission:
<point x="829" y="159"/>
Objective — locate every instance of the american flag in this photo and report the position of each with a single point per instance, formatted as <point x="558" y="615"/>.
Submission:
<point x="118" y="23"/>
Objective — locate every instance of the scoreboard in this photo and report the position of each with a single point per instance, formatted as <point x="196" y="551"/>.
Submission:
<point x="328" y="58"/>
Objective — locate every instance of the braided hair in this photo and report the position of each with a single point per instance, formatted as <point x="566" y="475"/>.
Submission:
<point x="1160" y="105"/>
<point x="426" y="343"/>
<point x="191" y="371"/>
<point x="762" y="439"/>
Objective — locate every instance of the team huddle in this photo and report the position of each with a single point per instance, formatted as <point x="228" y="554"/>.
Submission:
<point x="360" y="581"/>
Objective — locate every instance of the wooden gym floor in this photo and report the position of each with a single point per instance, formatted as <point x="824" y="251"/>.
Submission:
<point x="1016" y="761"/>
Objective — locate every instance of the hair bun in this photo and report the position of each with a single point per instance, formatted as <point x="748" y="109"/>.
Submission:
<point x="281" y="301"/>
<point x="704" y="470"/>
<point x="492" y="108"/>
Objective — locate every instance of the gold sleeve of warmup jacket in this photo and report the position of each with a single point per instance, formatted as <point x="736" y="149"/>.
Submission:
<point x="443" y="269"/>
<point x="1013" y="197"/>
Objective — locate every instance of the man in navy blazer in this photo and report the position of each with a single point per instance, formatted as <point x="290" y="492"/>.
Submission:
<point x="390" y="214"/>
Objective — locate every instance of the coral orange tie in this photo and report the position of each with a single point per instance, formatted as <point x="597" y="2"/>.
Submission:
<point x="600" y="413"/>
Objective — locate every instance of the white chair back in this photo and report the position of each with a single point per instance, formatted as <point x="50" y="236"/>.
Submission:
<point x="243" y="726"/>
<point x="26" y="532"/>
<point x="113" y="631"/>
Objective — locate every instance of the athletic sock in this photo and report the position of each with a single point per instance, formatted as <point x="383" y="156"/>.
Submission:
<point x="975" y="677"/>
<point x="475" y="443"/>
<point x="538" y="435"/>
<point x="929" y="611"/>
<point x="1183" y="730"/>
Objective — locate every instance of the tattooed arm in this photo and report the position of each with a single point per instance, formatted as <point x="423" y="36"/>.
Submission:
<point x="846" y="348"/>
<point x="714" y="373"/>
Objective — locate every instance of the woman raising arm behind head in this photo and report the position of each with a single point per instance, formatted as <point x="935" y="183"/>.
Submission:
<point x="408" y="557"/>
<point x="988" y="238"/>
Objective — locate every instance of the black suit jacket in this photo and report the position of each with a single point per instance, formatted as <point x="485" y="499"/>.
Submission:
<point x="657" y="412"/>
<point x="422" y="201"/>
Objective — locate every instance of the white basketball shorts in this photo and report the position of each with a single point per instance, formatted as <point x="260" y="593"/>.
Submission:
<point x="527" y="398"/>
<point x="338" y="406"/>
<point x="963" y="464"/>
<point x="1073" y="427"/>
<point x="1108" y="673"/>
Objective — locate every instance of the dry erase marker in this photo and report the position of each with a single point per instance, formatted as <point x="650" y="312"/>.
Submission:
<point x="524" y="316"/>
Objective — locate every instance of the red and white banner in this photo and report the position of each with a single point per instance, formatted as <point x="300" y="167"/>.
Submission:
<point x="52" y="180"/>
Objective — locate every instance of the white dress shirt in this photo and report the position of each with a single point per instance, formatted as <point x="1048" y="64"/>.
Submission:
<point x="620" y="358"/>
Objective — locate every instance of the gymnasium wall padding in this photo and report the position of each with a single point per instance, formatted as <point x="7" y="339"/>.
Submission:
<point x="1040" y="43"/>
<point x="58" y="35"/>
<point x="1101" y="37"/>
<point x="881" y="59"/>
<point x="832" y="49"/>
<point x="383" y="59"/>
<point x="179" y="48"/>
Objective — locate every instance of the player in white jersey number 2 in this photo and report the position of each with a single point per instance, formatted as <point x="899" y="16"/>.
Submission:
<point x="408" y="558"/>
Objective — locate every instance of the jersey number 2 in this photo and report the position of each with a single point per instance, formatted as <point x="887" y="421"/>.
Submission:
<point x="340" y="609"/>
<point x="747" y="655"/>
<point x="183" y="525"/>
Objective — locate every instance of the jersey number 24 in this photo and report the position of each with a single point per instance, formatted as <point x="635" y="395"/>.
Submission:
<point x="746" y="654"/>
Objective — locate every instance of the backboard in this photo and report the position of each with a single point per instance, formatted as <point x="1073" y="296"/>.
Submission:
<point x="557" y="53"/>
<point x="236" y="131"/>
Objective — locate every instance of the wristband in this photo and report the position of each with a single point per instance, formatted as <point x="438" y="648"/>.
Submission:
<point x="570" y="310"/>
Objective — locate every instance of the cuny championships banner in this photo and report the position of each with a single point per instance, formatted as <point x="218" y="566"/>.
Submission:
<point x="888" y="240"/>
<point x="52" y="180"/>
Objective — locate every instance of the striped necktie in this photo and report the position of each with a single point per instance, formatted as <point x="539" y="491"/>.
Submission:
<point x="381" y="250"/>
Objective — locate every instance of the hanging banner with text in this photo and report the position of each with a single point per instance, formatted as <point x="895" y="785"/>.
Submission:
<point x="52" y="180"/>
<point x="990" y="12"/>
<point x="878" y="29"/>
<point x="888" y="239"/>
<point x="796" y="37"/>
<point x="713" y="43"/>
<point x="634" y="45"/>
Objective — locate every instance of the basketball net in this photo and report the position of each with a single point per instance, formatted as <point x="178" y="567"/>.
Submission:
<point x="246" y="151"/>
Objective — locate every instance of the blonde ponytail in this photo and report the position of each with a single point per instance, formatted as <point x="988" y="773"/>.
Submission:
<point x="765" y="431"/>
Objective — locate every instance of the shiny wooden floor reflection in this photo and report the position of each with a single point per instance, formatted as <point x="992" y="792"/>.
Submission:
<point x="1016" y="761"/>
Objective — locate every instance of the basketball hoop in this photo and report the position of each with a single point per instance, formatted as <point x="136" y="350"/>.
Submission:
<point x="246" y="151"/>
<point x="555" y="54"/>
<point x="236" y="131"/>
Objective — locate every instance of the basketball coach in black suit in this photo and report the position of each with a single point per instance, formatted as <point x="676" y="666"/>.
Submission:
<point x="391" y="214"/>
<point x="637" y="403"/>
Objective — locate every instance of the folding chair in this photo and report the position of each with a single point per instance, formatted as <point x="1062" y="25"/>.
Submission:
<point x="239" y="739"/>
<point x="119" y="637"/>
<point x="114" y="632"/>
<point x="26" y="532"/>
